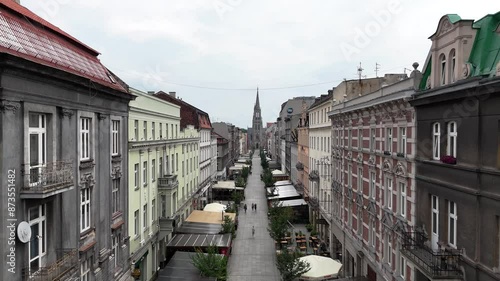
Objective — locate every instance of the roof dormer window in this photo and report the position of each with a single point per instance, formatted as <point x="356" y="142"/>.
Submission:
<point x="442" y="78"/>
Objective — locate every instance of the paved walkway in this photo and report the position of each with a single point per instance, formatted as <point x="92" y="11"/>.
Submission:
<point x="253" y="258"/>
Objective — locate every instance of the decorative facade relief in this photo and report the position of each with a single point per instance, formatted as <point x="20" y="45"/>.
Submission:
<point x="9" y="106"/>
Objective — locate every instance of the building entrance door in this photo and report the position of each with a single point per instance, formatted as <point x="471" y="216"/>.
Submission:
<point x="372" y="275"/>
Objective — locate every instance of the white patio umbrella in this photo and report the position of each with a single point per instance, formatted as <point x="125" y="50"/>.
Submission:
<point x="214" y="207"/>
<point x="322" y="268"/>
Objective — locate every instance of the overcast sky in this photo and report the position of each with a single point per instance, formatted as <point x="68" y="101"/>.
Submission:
<point x="240" y="45"/>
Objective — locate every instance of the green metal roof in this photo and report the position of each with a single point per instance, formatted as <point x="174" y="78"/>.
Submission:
<point x="453" y="18"/>
<point x="485" y="52"/>
<point x="426" y="74"/>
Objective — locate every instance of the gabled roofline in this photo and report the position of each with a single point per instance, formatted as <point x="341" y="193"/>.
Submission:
<point x="453" y="18"/>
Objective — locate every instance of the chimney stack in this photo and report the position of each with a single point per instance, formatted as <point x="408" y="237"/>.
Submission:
<point x="17" y="1"/>
<point x="172" y="94"/>
<point x="151" y="92"/>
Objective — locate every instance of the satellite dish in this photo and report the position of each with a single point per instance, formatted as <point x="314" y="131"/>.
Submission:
<point x="24" y="232"/>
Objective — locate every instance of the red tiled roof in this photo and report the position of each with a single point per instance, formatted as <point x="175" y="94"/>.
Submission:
<point x="190" y="115"/>
<point x="26" y="35"/>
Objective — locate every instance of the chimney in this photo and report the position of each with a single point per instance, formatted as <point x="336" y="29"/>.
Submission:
<point x="151" y="92"/>
<point x="17" y="1"/>
<point x="172" y="94"/>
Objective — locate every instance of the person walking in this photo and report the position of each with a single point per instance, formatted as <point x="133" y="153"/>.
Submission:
<point x="253" y="231"/>
<point x="245" y="207"/>
<point x="255" y="207"/>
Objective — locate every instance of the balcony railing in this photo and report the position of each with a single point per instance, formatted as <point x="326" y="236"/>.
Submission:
<point x="47" y="179"/>
<point x="62" y="269"/>
<point x="168" y="182"/>
<point x="441" y="264"/>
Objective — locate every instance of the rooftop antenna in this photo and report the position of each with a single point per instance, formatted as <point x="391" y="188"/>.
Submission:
<point x="360" y="71"/>
<point x="377" y="68"/>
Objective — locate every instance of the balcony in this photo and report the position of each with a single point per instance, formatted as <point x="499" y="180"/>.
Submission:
<point x="441" y="264"/>
<point x="63" y="268"/>
<point x="43" y="181"/>
<point x="167" y="226"/>
<point x="299" y="166"/>
<point x="168" y="182"/>
<point x="314" y="175"/>
<point x="314" y="203"/>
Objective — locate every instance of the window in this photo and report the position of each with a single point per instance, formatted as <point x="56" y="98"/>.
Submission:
<point x="452" y="65"/>
<point x="349" y="214"/>
<point x="442" y="79"/>
<point x="160" y="166"/>
<point x="85" y="138"/>
<point x="37" y="146"/>
<point x="37" y="245"/>
<point x="349" y="176"/>
<point x="136" y="129"/>
<point x="183" y="168"/>
<point x="372" y="232"/>
<point x="360" y="179"/>
<point x="153" y="170"/>
<point x="402" y="140"/>
<point x="402" y="194"/>
<point x="176" y="162"/>
<point x="115" y="136"/>
<point x="163" y="206"/>
<point x="451" y="148"/>
<point x="145" y="130"/>
<point x="372" y="139"/>
<point x="452" y="227"/>
<point x="349" y="141"/>
<point x="360" y="138"/>
<point x="153" y="210"/>
<point x="402" y="267"/>
<point x="373" y="188"/>
<point x="388" y="251"/>
<point x="360" y="222"/>
<point x="388" y="140"/>
<point x="436" y="143"/>
<point x="145" y="216"/>
<point x="116" y="249"/>
<point x="136" y="223"/>
<point x="145" y="173"/>
<point x="176" y="131"/>
<point x="136" y="175"/>
<point x="85" y="271"/>
<point x="115" y="195"/>
<point x="85" y="209"/>
<point x="172" y="130"/>
<point x="153" y="135"/>
<point x="161" y="130"/>
<point x="388" y="192"/>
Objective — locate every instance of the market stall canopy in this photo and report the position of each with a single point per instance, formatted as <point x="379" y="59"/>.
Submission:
<point x="180" y="267"/>
<point x="226" y="185"/>
<point x="283" y="192"/>
<point x="279" y="183"/>
<point x="198" y="228"/>
<point x="277" y="173"/>
<point x="322" y="268"/>
<point x="200" y="240"/>
<point x="293" y="203"/>
<point x="215" y="207"/>
<point x="208" y="217"/>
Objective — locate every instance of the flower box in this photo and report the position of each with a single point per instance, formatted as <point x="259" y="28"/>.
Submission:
<point x="448" y="159"/>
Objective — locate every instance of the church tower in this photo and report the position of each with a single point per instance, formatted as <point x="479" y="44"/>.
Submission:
<point x="256" y="124"/>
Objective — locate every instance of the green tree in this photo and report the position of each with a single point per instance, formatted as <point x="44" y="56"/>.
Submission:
<point x="237" y="197"/>
<point x="279" y="217"/>
<point x="211" y="263"/>
<point x="245" y="172"/>
<point x="240" y="182"/>
<point x="228" y="226"/>
<point x="290" y="266"/>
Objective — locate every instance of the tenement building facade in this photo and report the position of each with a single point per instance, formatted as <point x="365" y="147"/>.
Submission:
<point x="63" y="156"/>
<point x="373" y="188"/>
<point x="458" y="117"/>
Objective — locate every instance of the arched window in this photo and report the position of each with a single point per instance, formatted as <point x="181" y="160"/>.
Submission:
<point x="436" y="135"/>
<point x="442" y="77"/>
<point x="453" y="63"/>
<point x="451" y="148"/>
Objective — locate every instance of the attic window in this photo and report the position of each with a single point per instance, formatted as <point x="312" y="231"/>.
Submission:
<point x="452" y="66"/>
<point x="442" y="78"/>
<point x="111" y="78"/>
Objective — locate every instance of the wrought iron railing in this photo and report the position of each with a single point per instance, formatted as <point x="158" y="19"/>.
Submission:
<point x="48" y="176"/>
<point x="63" y="268"/>
<point x="440" y="264"/>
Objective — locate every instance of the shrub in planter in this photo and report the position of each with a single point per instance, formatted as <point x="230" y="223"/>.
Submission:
<point x="448" y="159"/>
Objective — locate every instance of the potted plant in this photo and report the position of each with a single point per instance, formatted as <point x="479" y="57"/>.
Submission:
<point x="448" y="159"/>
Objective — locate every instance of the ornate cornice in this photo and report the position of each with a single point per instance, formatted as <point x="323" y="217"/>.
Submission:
<point x="400" y="170"/>
<point x="10" y="106"/>
<point x="101" y="116"/>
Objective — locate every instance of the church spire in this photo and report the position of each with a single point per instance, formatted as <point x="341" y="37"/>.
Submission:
<point x="257" y="104"/>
